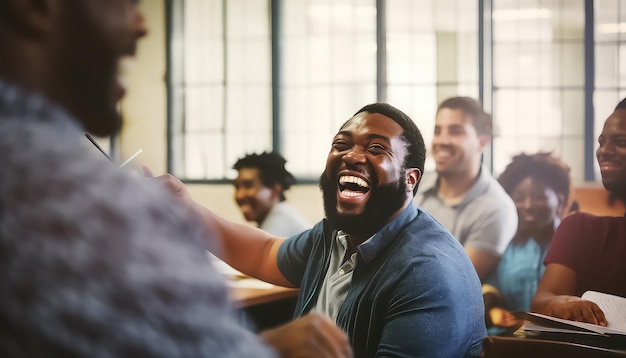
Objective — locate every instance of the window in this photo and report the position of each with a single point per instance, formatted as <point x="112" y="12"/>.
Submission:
<point x="538" y="80"/>
<point x="432" y="54"/>
<point x="220" y="84"/>
<point x="328" y="73"/>
<point x="237" y="84"/>
<point x="220" y="74"/>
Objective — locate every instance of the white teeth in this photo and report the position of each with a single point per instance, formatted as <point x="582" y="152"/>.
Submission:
<point x="352" y="179"/>
<point x="351" y="193"/>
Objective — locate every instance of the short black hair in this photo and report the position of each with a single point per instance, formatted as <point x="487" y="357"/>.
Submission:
<point x="542" y="166"/>
<point x="271" y="166"/>
<point x="481" y="120"/>
<point x="411" y="134"/>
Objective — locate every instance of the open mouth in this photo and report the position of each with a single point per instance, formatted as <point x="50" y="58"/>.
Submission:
<point x="352" y="186"/>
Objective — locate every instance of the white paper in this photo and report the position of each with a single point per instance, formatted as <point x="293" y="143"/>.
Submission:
<point x="614" y="308"/>
<point x="574" y="325"/>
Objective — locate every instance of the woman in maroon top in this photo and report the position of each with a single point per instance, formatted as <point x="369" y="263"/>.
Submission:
<point x="587" y="252"/>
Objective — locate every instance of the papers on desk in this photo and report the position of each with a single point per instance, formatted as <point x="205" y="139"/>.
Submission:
<point x="249" y="282"/>
<point x="542" y="323"/>
<point x="225" y="268"/>
<point x="614" y="308"/>
<point x="237" y="279"/>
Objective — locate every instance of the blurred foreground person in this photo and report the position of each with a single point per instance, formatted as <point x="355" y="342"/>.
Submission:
<point x="95" y="263"/>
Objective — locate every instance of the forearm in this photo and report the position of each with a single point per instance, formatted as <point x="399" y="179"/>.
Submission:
<point x="247" y="249"/>
<point x="545" y="302"/>
<point x="557" y="287"/>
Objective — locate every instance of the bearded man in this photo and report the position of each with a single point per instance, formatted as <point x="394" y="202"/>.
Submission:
<point x="390" y="276"/>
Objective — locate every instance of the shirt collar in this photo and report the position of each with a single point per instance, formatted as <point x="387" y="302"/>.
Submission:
<point x="479" y="186"/>
<point x="385" y="236"/>
<point x="477" y="189"/>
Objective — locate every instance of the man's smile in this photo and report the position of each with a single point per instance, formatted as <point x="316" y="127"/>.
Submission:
<point x="351" y="186"/>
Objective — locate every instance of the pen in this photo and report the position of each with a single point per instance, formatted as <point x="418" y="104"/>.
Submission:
<point x="97" y="146"/>
<point x="131" y="157"/>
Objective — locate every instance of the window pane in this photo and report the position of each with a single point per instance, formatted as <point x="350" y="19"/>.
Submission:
<point x="329" y="61"/>
<point x="221" y="103"/>
<point x="538" y="94"/>
<point x="432" y="54"/>
<point x="220" y="74"/>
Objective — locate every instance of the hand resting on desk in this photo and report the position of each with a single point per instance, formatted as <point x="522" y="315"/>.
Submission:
<point x="313" y="335"/>
<point x="556" y="297"/>
<point x="578" y="310"/>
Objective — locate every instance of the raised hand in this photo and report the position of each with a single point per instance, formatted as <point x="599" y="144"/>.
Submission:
<point x="172" y="184"/>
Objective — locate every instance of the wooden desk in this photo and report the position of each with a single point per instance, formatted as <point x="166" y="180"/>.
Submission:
<point x="539" y="344"/>
<point x="246" y="297"/>
<point x="524" y="347"/>
<point x="264" y="307"/>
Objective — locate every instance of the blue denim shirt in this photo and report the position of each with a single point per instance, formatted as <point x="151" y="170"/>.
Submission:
<point x="414" y="291"/>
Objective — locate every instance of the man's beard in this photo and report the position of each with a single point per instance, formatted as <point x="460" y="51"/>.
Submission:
<point x="383" y="202"/>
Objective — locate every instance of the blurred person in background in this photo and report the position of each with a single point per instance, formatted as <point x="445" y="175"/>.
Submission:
<point x="463" y="195"/>
<point x="539" y="185"/>
<point x="260" y="194"/>
<point x="587" y="251"/>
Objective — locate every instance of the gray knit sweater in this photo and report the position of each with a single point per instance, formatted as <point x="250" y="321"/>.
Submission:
<point x="95" y="262"/>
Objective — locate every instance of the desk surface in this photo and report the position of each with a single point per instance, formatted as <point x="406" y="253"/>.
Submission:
<point x="522" y="347"/>
<point x="246" y="297"/>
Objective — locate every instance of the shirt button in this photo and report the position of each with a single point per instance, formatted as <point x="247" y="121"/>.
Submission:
<point x="341" y="272"/>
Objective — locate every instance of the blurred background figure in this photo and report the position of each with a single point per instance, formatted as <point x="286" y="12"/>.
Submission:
<point x="463" y="195"/>
<point x="539" y="185"/>
<point x="260" y="193"/>
<point x="587" y="251"/>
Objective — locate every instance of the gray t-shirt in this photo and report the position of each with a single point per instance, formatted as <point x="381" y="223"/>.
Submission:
<point x="486" y="218"/>
<point x="338" y="278"/>
<point x="284" y="220"/>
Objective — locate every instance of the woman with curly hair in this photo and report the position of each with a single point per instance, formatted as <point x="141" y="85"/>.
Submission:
<point x="539" y="185"/>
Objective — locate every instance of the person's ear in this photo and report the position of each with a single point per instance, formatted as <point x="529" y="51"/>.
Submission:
<point x="413" y="176"/>
<point x="277" y="191"/>
<point x="484" y="141"/>
<point x="32" y="17"/>
<point x="560" y="209"/>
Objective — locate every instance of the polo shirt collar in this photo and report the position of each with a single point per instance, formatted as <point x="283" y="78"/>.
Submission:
<point x="479" y="187"/>
<point x="387" y="235"/>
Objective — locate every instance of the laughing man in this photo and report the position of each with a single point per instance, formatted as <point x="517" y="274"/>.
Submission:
<point x="385" y="271"/>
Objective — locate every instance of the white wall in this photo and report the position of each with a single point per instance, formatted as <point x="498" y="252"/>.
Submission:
<point x="145" y="114"/>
